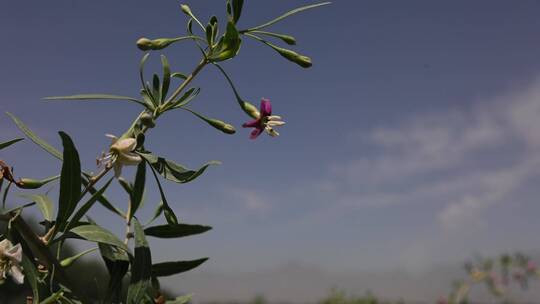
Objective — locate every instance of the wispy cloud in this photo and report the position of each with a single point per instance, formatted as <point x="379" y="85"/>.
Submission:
<point x="463" y="160"/>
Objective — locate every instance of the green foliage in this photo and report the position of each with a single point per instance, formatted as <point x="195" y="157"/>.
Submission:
<point x="47" y="274"/>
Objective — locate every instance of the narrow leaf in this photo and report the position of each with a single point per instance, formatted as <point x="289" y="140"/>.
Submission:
<point x="166" y="78"/>
<point x="173" y="171"/>
<point x="84" y="209"/>
<point x="31" y="276"/>
<point x="188" y="96"/>
<point x="103" y="200"/>
<point x="98" y="234"/>
<point x="93" y="97"/>
<point x="175" y="231"/>
<point x="44" y="204"/>
<point x="288" y="14"/>
<point x="33" y="137"/>
<point x="117" y="263"/>
<point x="168" y="212"/>
<point x="171" y="268"/>
<point x="9" y="143"/>
<point x="141" y="267"/>
<point x="237" y="9"/>
<point x="70" y="182"/>
<point x="138" y="190"/>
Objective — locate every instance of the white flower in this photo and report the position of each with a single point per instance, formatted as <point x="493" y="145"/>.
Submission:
<point x="10" y="259"/>
<point x="121" y="153"/>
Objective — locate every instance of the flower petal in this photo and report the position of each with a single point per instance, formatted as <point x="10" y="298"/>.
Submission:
<point x="14" y="253"/>
<point x="255" y="133"/>
<point x="266" y="107"/>
<point x="125" y="145"/>
<point x="16" y="274"/>
<point x="112" y="137"/>
<point x="251" y="124"/>
<point x="129" y="158"/>
<point x="117" y="169"/>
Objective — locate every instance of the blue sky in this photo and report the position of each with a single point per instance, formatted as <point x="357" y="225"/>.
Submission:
<point x="412" y="141"/>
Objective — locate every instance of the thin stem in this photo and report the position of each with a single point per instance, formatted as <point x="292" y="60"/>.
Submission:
<point x="94" y="179"/>
<point x="188" y="80"/>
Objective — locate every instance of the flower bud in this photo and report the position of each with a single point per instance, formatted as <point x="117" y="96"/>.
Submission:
<point x="222" y="126"/>
<point x="145" y="44"/>
<point x="69" y="261"/>
<point x="29" y="183"/>
<point x="185" y="8"/>
<point x="250" y="110"/>
<point x="148" y="120"/>
<point x="293" y="56"/>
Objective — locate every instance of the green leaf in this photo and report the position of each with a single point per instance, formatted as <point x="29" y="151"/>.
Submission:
<point x="212" y="30"/>
<point x="290" y="55"/>
<point x="175" y="231"/>
<point x="290" y="40"/>
<point x="70" y="182"/>
<point x="188" y="96"/>
<point x="171" y="268"/>
<point x="180" y="300"/>
<point x="93" y="97"/>
<point x="216" y="123"/>
<point x="103" y="200"/>
<point x="33" y="137"/>
<point x="179" y="75"/>
<point x="157" y="212"/>
<point x="173" y="171"/>
<point x="141" y="267"/>
<point x="117" y="262"/>
<point x="237" y="9"/>
<point x="84" y="209"/>
<point x="31" y="276"/>
<point x="156" y="87"/>
<point x="246" y="106"/>
<point x="9" y="143"/>
<point x="4" y="197"/>
<point x="98" y="234"/>
<point x="229" y="45"/>
<point x="143" y="82"/>
<point x="288" y="14"/>
<point x="169" y="213"/>
<point x="166" y="78"/>
<point x="44" y="204"/>
<point x="138" y="190"/>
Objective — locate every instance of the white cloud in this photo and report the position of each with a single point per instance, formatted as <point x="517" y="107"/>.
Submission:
<point x="250" y="200"/>
<point x="462" y="161"/>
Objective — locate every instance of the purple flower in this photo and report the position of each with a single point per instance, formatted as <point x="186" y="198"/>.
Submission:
<point x="265" y="121"/>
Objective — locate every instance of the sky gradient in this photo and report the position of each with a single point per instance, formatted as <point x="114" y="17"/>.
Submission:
<point x="413" y="141"/>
